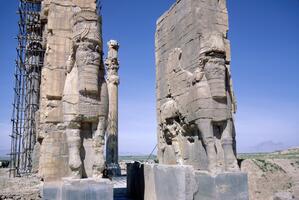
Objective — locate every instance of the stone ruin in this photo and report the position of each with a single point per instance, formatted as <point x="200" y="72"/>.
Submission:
<point x="195" y="98"/>
<point x="78" y="101"/>
<point x="74" y="105"/>
<point x="195" y="106"/>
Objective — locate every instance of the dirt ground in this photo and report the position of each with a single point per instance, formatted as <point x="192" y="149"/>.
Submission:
<point x="273" y="176"/>
<point x="25" y="188"/>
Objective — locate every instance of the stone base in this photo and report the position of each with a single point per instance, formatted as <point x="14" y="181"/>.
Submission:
<point x="78" y="189"/>
<point x="168" y="182"/>
<point x="224" y="186"/>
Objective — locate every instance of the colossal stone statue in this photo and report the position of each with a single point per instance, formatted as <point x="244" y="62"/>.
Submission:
<point x="195" y="96"/>
<point x="85" y="97"/>
<point x="195" y="106"/>
<point x="74" y="99"/>
<point x="74" y="106"/>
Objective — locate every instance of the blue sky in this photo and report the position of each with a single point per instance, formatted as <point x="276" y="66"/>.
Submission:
<point x="265" y="65"/>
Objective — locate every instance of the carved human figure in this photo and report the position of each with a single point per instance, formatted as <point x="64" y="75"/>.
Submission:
<point x="85" y="98"/>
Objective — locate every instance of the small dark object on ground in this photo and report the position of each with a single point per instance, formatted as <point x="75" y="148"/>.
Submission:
<point x="4" y="163"/>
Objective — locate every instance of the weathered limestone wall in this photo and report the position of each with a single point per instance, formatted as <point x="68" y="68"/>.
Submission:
<point x="57" y="41"/>
<point x="57" y="17"/>
<point x="189" y="37"/>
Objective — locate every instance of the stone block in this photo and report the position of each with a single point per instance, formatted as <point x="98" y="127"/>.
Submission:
<point x="224" y="186"/>
<point x="54" y="83"/>
<point x="135" y="180"/>
<point x="78" y="189"/>
<point x="163" y="182"/>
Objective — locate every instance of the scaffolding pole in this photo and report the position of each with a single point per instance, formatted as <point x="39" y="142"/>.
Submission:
<point x="29" y="61"/>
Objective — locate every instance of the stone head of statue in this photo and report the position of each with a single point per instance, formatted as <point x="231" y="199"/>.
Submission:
<point x="211" y="42"/>
<point x="86" y="26"/>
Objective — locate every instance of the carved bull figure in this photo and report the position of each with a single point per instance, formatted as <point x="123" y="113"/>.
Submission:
<point x="85" y="99"/>
<point x="203" y="111"/>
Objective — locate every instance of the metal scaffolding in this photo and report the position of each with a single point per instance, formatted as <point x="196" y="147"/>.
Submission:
<point x="27" y="74"/>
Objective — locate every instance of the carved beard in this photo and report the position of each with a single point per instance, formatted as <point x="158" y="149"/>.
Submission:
<point x="215" y="72"/>
<point x="88" y="62"/>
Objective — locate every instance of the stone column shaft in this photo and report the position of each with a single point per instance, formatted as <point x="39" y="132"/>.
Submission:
<point x="112" y="145"/>
<point x="113" y="82"/>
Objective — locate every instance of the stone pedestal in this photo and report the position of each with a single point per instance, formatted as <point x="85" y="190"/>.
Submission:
<point x="224" y="186"/>
<point x="78" y="189"/>
<point x="168" y="182"/>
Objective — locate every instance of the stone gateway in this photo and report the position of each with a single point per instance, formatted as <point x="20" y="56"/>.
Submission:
<point x="195" y="98"/>
<point x="195" y="107"/>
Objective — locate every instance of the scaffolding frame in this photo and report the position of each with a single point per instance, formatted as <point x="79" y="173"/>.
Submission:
<point x="27" y="75"/>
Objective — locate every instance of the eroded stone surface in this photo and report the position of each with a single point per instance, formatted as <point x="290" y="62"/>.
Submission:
<point x="182" y="182"/>
<point x="78" y="189"/>
<point x="74" y="95"/>
<point x="112" y="66"/>
<point x="195" y="98"/>
<point x="85" y="97"/>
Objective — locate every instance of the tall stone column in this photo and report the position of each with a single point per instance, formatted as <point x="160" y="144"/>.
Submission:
<point x="112" y="65"/>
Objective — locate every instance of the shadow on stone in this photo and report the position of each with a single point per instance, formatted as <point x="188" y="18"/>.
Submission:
<point x="135" y="180"/>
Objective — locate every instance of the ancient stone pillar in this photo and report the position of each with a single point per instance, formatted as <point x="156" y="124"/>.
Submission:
<point x="73" y="96"/>
<point x="195" y="106"/>
<point x="112" y="129"/>
<point x="195" y="95"/>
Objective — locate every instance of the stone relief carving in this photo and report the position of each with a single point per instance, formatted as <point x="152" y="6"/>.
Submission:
<point x="209" y="115"/>
<point x="85" y="99"/>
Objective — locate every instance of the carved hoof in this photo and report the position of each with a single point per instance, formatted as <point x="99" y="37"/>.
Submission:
<point x="75" y="164"/>
<point x="75" y="175"/>
<point x="180" y="162"/>
<point x="97" y="175"/>
<point x="212" y="168"/>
